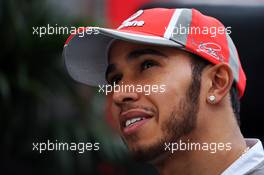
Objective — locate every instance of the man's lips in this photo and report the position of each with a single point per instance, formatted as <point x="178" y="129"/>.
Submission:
<point x="131" y="120"/>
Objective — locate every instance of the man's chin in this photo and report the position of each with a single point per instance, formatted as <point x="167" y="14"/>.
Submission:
<point x="146" y="153"/>
<point x="150" y="157"/>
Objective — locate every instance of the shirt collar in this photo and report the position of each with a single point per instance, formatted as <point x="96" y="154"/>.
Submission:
<point x="249" y="160"/>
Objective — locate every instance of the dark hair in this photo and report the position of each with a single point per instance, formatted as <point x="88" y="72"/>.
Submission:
<point x="198" y="64"/>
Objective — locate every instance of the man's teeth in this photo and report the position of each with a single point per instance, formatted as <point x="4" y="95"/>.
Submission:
<point x="133" y="120"/>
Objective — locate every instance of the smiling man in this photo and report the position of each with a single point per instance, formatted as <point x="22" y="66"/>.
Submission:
<point x="190" y="125"/>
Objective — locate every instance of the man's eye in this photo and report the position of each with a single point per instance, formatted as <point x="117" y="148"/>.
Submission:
<point x="147" y="64"/>
<point x="115" y="79"/>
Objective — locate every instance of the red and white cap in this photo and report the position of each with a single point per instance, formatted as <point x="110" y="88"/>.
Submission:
<point x="86" y="60"/>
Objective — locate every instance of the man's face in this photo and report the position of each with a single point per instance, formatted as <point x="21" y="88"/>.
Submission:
<point x="146" y="122"/>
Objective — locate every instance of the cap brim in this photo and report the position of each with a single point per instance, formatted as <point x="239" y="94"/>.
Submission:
<point x="85" y="54"/>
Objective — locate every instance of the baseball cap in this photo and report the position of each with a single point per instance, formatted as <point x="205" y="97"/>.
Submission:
<point x="85" y="53"/>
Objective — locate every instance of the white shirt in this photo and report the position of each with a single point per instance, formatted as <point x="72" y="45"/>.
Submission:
<point x="249" y="161"/>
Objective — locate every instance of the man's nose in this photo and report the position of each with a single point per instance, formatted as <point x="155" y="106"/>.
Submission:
<point x="120" y="97"/>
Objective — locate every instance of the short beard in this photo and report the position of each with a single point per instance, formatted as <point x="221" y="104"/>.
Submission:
<point x="182" y="121"/>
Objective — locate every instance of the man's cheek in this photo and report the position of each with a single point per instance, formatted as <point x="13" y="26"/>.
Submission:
<point x="111" y="113"/>
<point x="164" y="114"/>
<point x="115" y="118"/>
<point x="115" y="111"/>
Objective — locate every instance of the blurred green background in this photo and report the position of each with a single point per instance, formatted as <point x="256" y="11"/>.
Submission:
<point x="40" y="102"/>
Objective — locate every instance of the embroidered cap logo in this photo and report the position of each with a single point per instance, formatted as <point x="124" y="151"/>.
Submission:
<point x="129" y="22"/>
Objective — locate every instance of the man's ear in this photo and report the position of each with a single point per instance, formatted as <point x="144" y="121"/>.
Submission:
<point x="220" y="79"/>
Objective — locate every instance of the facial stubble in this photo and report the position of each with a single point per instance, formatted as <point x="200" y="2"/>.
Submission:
<point x="181" y="121"/>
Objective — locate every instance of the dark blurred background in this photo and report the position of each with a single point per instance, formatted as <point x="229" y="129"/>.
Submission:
<point x="39" y="101"/>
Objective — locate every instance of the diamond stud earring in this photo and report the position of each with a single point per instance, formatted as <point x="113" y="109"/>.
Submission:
<point x="211" y="99"/>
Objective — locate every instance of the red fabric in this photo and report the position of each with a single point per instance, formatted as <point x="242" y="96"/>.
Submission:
<point x="242" y="81"/>
<point x="195" y="39"/>
<point x="155" y="27"/>
<point x="119" y="10"/>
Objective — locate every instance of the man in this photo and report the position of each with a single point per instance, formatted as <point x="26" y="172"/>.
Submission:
<point x="188" y="123"/>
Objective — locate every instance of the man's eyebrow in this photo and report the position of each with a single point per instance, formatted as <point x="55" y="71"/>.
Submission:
<point x="148" y="51"/>
<point x="110" y="68"/>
